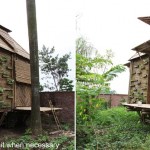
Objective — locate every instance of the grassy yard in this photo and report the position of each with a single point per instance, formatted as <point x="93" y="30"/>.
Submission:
<point x="114" y="129"/>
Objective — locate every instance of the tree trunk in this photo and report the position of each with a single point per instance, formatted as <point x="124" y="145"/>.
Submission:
<point x="36" y="126"/>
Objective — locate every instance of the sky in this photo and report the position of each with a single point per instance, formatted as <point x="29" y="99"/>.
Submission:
<point x="113" y="24"/>
<point x="55" y="25"/>
<point x="107" y="24"/>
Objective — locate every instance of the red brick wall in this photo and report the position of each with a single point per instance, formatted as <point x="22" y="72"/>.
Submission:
<point x="64" y="100"/>
<point x="114" y="99"/>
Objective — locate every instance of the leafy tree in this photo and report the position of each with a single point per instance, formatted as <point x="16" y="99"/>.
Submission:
<point x="55" y="67"/>
<point x="66" y="84"/>
<point x="93" y="75"/>
<point x="83" y="47"/>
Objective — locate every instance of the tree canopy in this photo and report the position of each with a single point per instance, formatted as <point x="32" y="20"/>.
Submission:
<point x="55" y="67"/>
<point x="96" y="71"/>
<point x="93" y="75"/>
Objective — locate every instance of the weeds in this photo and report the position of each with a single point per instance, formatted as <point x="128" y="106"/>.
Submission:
<point x="114" y="129"/>
<point x="29" y="142"/>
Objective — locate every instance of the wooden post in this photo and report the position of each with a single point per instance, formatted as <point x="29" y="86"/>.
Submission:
<point x="36" y="126"/>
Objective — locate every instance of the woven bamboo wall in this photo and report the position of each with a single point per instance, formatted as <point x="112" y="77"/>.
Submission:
<point x="22" y="71"/>
<point x="23" y="95"/>
<point x="139" y="80"/>
<point x="6" y="79"/>
<point x="23" y="83"/>
<point x="15" y="81"/>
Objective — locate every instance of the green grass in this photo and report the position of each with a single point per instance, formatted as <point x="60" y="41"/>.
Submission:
<point x="114" y="129"/>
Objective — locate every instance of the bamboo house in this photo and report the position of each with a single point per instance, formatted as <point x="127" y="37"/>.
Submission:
<point x="139" y="84"/>
<point x="15" y="81"/>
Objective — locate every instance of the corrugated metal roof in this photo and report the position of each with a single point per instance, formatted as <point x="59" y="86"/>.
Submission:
<point x="145" y="19"/>
<point x="11" y="43"/>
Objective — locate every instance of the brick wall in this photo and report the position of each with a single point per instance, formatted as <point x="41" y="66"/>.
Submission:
<point x="64" y="100"/>
<point x="114" y="99"/>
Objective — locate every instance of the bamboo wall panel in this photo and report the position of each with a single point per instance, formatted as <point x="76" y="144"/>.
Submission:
<point x="22" y="70"/>
<point x="139" y="80"/>
<point x="23" y="95"/>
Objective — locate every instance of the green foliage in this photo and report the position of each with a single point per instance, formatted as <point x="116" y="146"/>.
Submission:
<point x="61" y="140"/>
<point x="83" y="47"/>
<point x="65" y="127"/>
<point x="55" y="67"/>
<point x="93" y="75"/>
<point x="3" y="60"/>
<point x="28" y="142"/>
<point x="95" y="71"/>
<point x="114" y="129"/>
<point x="113" y="72"/>
<point x="139" y="96"/>
<point x="1" y="89"/>
<point x="86" y="109"/>
<point x="41" y="88"/>
<point x="66" y="84"/>
<point x="10" y="81"/>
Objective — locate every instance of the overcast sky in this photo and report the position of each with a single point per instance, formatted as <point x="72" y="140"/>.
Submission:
<point x="107" y="24"/>
<point x="55" y="23"/>
<point x="113" y="24"/>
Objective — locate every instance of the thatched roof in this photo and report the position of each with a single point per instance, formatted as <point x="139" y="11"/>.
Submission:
<point x="8" y="43"/>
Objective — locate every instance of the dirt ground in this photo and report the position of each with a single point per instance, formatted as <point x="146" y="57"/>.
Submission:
<point x="48" y="124"/>
<point x="7" y="134"/>
<point x="10" y="133"/>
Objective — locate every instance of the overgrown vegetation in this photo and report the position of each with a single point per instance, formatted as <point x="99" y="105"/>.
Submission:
<point x="100" y="127"/>
<point x="114" y="129"/>
<point x="45" y="141"/>
<point x="93" y="74"/>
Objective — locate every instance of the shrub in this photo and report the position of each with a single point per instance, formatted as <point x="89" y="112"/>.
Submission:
<point x="114" y="129"/>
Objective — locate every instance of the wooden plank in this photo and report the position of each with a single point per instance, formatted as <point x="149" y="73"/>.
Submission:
<point x="129" y="89"/>
<point x="146" y="106"/>
<point x="42" y="109"/>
